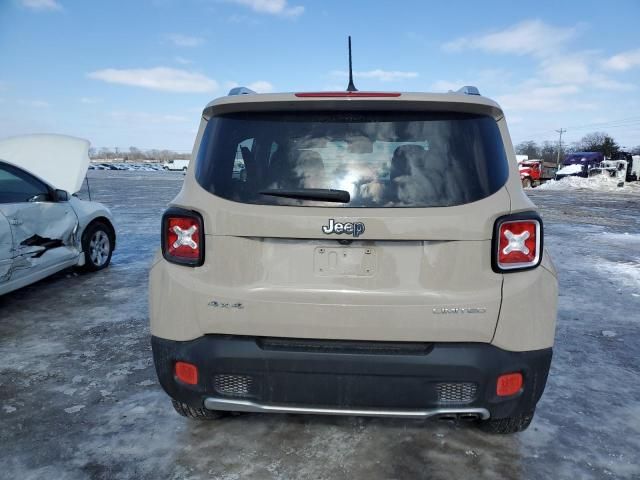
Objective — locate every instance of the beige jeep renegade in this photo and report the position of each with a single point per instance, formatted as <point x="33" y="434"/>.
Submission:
<point x="354" y="253"/>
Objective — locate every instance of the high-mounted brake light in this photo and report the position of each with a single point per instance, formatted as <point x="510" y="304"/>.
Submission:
<point x="517" y="242"/>
<point x="347" y="94"/>
<point x="183" y="237"/>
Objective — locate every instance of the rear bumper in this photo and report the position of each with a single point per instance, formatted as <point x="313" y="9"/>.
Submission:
<point x="359" y="378"/>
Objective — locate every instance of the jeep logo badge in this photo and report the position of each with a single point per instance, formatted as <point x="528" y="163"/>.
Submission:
<point x="350" y="228"/>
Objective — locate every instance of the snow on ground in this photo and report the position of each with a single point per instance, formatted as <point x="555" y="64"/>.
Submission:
<point x="79" y="397"/>
<point x="598" y="183"/>
<point x="626" y="274"/>
<point x="626" y="237"/>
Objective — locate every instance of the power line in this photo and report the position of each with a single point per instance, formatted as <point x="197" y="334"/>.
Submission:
<point x="619" y="123"/>
<point x="605" y="124"/>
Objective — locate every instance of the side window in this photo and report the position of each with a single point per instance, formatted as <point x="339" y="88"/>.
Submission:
<point x="17" y="186"/>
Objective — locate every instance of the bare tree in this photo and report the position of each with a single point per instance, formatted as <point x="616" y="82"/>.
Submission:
<point x="529" y="148"/>
<point x="599" y="142"/>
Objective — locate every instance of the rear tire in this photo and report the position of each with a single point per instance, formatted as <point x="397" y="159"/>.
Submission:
<point x="196" y="413"/>
<point x="526" y="183"/>
<point x="98" y="240"/>
<point x="507" y="425"/>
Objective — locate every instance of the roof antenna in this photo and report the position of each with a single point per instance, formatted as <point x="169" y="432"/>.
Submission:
<point x="351" y="87"/>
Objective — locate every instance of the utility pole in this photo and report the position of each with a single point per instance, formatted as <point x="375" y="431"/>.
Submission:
<point x="561" y="131"/>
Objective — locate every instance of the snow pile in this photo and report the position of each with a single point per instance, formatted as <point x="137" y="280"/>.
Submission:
<point x="570" y="169"/>
<point x="625" y="274"/>
<point x="599" y="183"/>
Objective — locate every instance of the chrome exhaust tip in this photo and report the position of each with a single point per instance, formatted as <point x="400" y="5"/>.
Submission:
<point x="447" y="417"/>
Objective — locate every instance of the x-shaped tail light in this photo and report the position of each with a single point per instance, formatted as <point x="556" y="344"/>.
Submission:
<point x="517" y="242"/>
<point x="185" y="237"/>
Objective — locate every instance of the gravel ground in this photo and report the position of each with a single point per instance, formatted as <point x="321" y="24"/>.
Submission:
<point x="79" y="397"/>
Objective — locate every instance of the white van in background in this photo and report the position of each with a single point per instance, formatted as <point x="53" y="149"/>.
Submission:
<point x="176" y="165"/>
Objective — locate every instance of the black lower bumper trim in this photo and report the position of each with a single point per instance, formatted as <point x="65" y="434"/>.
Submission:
<point x="351" y="375"/>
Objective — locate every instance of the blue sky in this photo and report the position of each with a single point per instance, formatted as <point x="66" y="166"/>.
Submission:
<point x="138" y="72"/>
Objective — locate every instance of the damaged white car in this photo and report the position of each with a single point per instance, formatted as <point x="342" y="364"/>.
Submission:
<point x="44" y="226"/>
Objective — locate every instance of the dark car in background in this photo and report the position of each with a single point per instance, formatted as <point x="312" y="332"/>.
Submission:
<point x="578" y="164"/>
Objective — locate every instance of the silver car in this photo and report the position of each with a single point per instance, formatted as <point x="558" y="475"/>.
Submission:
<point x="44" y="228"/>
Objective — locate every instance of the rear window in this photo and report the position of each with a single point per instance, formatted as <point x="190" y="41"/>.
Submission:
<point x="382" y="159"/>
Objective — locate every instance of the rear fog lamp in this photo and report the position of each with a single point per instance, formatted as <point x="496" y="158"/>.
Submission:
<point x="186" y="373"/>
<point x="509" y="384"/>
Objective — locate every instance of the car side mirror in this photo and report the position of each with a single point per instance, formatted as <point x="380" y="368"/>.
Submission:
<point x="62" y="196"/>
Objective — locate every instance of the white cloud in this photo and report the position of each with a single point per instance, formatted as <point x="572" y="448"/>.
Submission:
<point x="41" y="5"/>
<point x="261" y="86"/>
<point x="90" y="100"/>
<point x="244" y="20"/>
<point x="538" y="95"/>
<point x="146" y="118"/>
<point x="377" y="74"/>
<point x="34" y="103"/>
<point x="623" y="61"/>
<point x="180" y="40"/>
<point x="158" y="78"/>
<point x="557" y="73"/>
<point x="531" y="37"/>
<point x="544" y="99"/>
<point x="605" y="83"/>
<point x="183" y="61"/>
<point x="272" y="7"/>
<point x="577" y="69"/>
<point x="563" y="69"/>
<point x="445" y="85"/>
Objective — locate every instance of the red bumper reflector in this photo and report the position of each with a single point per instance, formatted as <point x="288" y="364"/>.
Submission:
<point x="186" y="373"/>
<point x="509" y="384"/>
<point x="346" y="94"/>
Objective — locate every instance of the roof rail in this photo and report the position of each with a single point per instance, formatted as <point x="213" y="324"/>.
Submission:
<point x="468" y="90"/>
<point x="241" y="91"/>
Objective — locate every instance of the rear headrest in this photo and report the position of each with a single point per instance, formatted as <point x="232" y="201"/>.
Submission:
<point x="297" y="169"/>
<point x="404" y="156"/>
<point x="308" y="162"/>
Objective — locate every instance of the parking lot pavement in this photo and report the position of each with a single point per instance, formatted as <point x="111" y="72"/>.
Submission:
<point x="79" y="397"/>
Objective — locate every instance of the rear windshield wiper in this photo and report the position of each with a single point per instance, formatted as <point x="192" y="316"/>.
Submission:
<point x="319" y="194"/>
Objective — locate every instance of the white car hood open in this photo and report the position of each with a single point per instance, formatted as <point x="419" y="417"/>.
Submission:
<point x="59" y="160"/>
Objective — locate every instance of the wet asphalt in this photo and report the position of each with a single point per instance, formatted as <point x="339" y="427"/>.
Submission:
<point x="79" y="398"/>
